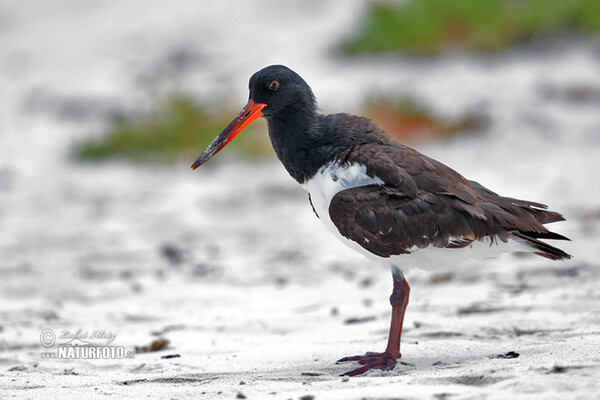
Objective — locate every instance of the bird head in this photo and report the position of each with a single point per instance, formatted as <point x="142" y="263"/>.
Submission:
<point x="274" y="90"/>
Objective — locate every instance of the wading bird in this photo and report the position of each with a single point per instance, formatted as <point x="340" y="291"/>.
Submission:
<point x="385" y="200"/>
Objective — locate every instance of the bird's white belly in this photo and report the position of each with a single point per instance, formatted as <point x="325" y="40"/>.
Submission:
<point x="441" y="258"/>
<point x="333" y="178"/>
<point x="329" y="181"/>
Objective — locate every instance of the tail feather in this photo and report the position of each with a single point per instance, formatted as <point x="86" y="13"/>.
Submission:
<point x="544" y="249"/>
<point x="546" y="235"/>
<point x="545" y="216"/>
<point x="524" y="220"/>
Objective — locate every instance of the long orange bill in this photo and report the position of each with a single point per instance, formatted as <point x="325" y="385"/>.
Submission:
<point x="249" y="113"/>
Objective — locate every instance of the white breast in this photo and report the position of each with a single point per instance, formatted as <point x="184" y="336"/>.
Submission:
<point x="329" y="181"/>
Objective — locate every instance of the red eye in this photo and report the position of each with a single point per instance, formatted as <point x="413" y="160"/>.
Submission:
<point x="274" y="85"/>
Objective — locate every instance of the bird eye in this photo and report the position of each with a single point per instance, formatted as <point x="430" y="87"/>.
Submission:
<point x="274" y="85"/>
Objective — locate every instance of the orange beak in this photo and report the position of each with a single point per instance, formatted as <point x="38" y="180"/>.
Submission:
<point x="249" y="113"/>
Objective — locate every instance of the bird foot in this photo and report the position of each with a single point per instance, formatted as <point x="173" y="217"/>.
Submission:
<point x="382" y="361"/>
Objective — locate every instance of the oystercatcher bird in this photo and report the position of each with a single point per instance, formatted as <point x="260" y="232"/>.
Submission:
<point x="385" y="200"/>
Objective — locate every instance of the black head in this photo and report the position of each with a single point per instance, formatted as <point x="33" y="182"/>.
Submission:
<point x="275" y="91"/>
<point x="281" y="89"/>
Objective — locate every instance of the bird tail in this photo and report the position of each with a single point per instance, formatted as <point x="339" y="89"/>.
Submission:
<point x="545" y="217"/>
<point x="542" y="249"/>
<point x="524" y="220"/>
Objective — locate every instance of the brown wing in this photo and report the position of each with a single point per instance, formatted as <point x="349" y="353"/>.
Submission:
<point x="386" y="222"/>
<point x="425" y="203"/>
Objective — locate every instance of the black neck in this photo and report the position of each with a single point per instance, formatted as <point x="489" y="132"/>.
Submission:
<point x="299" y="142"/>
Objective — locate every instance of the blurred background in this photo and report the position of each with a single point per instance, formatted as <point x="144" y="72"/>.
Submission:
<point x="104" y="105"/>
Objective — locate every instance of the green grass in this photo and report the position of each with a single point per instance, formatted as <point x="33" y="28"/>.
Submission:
<point x="433" y="26"/>
<point x="177" y="129"/>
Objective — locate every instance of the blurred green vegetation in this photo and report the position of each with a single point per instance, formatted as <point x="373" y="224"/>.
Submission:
<point x="178" y="128"/>
<point x="432" y="26"/>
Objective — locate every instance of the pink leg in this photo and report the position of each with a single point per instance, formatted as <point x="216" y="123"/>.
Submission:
<point x="386" y="361"/>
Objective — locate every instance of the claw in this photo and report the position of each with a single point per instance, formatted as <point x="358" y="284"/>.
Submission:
<point x="369" y="356"/>
<point x="370" y="360"/>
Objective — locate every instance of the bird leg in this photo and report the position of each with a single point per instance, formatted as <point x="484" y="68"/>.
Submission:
<point x="386" y="361"/>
